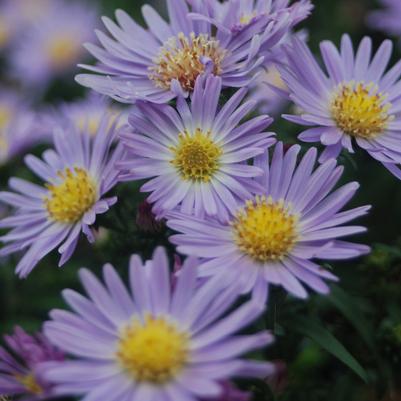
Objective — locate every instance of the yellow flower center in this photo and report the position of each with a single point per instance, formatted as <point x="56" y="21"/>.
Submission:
<point x="154" y="351"/>
<point x="4" y="32"/>
<point x="183" y="59"/>
<point x="265" y="230"/>
<point x="63" y="51"/>
<point x="196" y="157"/>
<point x="30" y="384"/>
<point x="5" y="116"/>
<point x="69" y="200"/>
<point x="360" y="111"/>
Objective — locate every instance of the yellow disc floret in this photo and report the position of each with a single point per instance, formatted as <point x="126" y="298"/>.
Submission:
<point x="63" y="51"/>
<point x="183" y="59"/>
<point x="360" y="111"/>
<point x="265" y="230"/>
<point x="30" y="383"/>
<point x="70" y="200"/>
<point x="154" y="351"/>
<point x="196" y="157"/>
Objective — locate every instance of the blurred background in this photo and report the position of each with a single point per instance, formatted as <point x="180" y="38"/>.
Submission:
<point x="362" y="316"/>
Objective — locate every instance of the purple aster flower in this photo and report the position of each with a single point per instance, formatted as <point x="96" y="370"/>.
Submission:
<point x="164" y="61"/>
<point x="274" y="237"/>
<point x="87" y="114"/>
<point x="153" y="344"/>
<point x="20" y="127"/>
<point x="78" y="174"/>
<point x="356" y="102"/>
<point x="53" y="44"/>
<point x="196" y="156"/>
<point x="236" y="15"/>
<point x="388" y="18"/>
<point x="20" y="365"/>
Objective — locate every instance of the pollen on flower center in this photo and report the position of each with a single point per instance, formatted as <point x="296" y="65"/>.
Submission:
<point x="63" y="51"/>
<point x="30" y="383"/>
<point x="184" y="59"/>
<point x="68" y="201"/>
<point x="154" y="351"/>
<point x="265" y="230"/>
<point x="360" y="110"/>
<point x="196" y="157"/>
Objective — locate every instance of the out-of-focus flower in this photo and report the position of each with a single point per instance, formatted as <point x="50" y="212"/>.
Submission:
<point x="87" y="114"/>
<point x="20" y="366"/>
<point x="146" y="219"/>
<point x="78" y="174"/>
<point x="193" y="347"/>
<point x="54" y="44"/>
<point x="160" y="63"/>
<point x="20" y="127"/>
<point x="274" y="237"/>
<point x="388" y="18"/>
<point x="357" y="101"/>
<point x="195" y="156"/>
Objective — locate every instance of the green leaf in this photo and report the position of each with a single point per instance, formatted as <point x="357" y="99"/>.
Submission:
<point x="347" y="306"/>
<point x="312" y="329"/>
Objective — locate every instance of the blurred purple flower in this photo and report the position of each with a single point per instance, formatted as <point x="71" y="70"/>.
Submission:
<point x="192" y="331"/>
<point x="20" y="366"/>
<point x="273" y="237"/>
<point x="53" y="44"/>
<point x="78" y="174"/>
<point x="388" y="18"/>
<point x="20" y="127"/>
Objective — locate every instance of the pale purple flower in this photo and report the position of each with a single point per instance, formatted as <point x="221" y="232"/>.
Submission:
<point x="191" y="328"/>
<point x="236" y="15"/>
<point x="20" y="366"/>
<point x="86" y="114"/>
<point x="77" y="175"/>
<point x="274" y="238"/>
<point x="20" y="127"/>
<point x="195" y="157"/>
<point x="388" y="18"/>
<point x="356" y="101"/>
<point x="164" y="61"/>
<point x="53" y="45"/>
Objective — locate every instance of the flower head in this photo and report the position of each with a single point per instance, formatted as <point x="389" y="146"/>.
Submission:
<point x="356" y="102"/>
<point x="20" y="365"/>
<point x="152" y="343"/>
<point x="53" y="45"/>
<point x="164" y="61"/>
<point x="273" y="237"/>
<point x="77" y="175"/>
<point x="195" y="156"/>
<point x="237" y="15"/>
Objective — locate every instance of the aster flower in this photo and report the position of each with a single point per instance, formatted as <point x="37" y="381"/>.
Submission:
<point x="20" y="127"/>
<point x="77" y="175"/>
<point x="357" y="102"/>
<point x="273" y="238"/>
<point x="388" y="18"/>
<point x="53" y="45"/>
<point x="164" y="61"/>
<point x="236" y="15"/>
<point x="193" y="346"/>
<point x="20" y="365"/>
<point x="196" y="156"/>
<point x="87" y="114"/>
